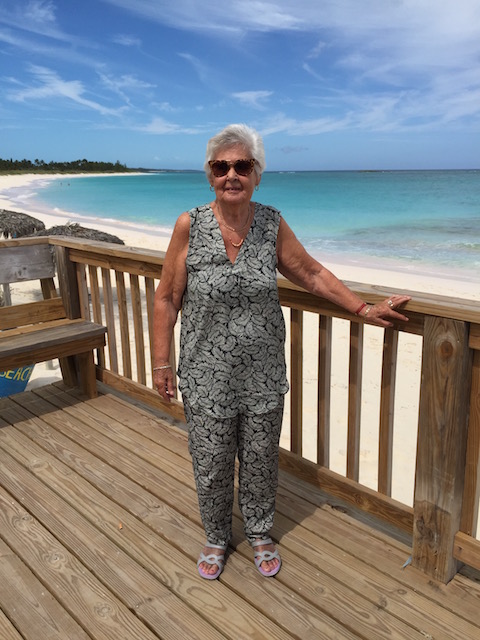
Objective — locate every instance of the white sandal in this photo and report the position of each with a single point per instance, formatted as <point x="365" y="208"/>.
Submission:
<point x="265" y="556"/>
<point x="211" y="559"/>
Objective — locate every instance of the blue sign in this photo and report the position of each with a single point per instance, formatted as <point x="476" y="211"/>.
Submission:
<point x="14" y="380"/>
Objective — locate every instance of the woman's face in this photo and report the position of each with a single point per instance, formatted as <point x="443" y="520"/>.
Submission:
<point x="232" y="188"/>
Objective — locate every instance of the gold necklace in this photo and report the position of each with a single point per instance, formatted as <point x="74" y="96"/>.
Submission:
<point x="222" y="220"/>
<point x="237" y="245"/>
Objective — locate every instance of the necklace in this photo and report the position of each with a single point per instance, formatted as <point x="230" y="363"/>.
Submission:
<point x="222" y="219"/>
<point x="237" y="245"/>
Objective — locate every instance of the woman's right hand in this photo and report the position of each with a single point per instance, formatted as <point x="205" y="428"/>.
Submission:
<point x="164" y="383"/>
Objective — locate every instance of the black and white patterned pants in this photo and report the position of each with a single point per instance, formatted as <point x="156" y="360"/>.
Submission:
<point x="213" y="445"/>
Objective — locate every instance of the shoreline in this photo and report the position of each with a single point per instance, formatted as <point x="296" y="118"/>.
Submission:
<point x="452" y="282"/>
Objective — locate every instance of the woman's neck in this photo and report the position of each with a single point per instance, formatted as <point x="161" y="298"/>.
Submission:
<point x="235" y="217"/>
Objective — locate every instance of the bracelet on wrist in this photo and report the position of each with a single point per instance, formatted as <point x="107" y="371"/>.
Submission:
<point x="367" y="310"/>
<point x="360" y="308"/>
<point x="161" y="367"/>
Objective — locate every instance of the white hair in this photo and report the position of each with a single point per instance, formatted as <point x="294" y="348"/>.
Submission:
<point x="232" y="135"/>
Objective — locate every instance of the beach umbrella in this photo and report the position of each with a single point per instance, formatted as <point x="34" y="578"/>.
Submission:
<point x="75" y="230"/>
<point x="15" y="225"/>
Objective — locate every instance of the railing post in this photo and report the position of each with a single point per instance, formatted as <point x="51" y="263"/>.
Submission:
<point x="442" y="436"/>
<point x="67" y="281"/>
<point x="471" y="495"/>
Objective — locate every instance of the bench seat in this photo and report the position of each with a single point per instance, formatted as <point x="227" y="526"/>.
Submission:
<point x="59" y="340"/>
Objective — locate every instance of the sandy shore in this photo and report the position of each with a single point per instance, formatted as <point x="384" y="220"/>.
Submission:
<point x="449" y="284"/>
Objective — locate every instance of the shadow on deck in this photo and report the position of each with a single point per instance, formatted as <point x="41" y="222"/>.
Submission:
<point x="100" y="533"/>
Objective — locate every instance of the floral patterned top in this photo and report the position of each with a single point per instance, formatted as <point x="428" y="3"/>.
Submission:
<point x="232" y="340"/>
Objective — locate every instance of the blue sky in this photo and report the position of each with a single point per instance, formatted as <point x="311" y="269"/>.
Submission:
<point x="331" y="84"/>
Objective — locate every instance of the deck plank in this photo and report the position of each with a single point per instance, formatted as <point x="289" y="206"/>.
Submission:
<point x="75" y="588"/>
<point x="98" y="505"/>
<point x="29" y="605"/>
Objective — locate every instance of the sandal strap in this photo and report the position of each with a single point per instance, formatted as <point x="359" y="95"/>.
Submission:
<point x="260" y="543"/>
<point x="216" y="546"/>
<point x="265" y="556"/>
<point x="211" y="559"/>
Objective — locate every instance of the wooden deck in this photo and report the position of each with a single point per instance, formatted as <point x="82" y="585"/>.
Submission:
<point x="100" y="533"/>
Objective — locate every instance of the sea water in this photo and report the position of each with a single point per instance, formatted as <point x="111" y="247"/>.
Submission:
<point x="416" y="220"/>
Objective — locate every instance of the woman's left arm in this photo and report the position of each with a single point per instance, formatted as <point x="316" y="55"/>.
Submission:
<point x="301" y="268"/>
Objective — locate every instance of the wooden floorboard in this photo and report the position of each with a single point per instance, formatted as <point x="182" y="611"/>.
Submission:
<point x="100" y="532"/>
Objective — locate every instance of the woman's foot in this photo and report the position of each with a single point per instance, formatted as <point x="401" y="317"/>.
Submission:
<point x="211" y="561"/>
<point x="266" y="556"/>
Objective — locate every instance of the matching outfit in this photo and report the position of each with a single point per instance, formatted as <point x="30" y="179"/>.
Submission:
<point x="232" y="371"/>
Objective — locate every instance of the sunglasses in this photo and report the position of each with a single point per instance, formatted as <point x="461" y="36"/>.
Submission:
<point x="220" y="168"/>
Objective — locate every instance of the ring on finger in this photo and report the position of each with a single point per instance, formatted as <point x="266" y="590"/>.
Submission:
<point x="390" y="303"/>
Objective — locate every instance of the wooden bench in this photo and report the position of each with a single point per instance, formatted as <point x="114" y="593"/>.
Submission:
<point x="43" y="330"/>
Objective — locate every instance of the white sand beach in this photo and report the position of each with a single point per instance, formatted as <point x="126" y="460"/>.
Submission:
<point x="447" y="284"/>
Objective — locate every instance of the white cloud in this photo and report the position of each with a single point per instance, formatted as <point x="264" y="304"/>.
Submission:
<point x="124" y="84"/>
<point x="48" y="85"/>
<point x="160" y="126"/>
<point x="280" y="123"/>
<point x="204" y="72"/>
<point x="34" y="46"/>
<point x="36" y="16"/>
<point x="166" y="107"/>
<point x="252" y="99"/>
<point x="317" y="49"/>
<point x="405" y="35"/>
<point x="223" y="20"/>
<point x="309" y="69"/>
<point x="126" y="40"/>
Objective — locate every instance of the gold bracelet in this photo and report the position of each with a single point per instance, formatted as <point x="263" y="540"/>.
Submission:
<point x="163" y="366"/>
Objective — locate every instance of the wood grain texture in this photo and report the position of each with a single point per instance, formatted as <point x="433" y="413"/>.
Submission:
<point x="442" y="437"/>
<point x="471" y="494"/>
<point x="387" y="402"/>
<point x="354" y="400"/>
<point x="324" y="389"/>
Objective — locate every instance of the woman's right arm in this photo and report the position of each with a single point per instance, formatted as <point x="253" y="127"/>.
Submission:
<point x="167" y="304"/>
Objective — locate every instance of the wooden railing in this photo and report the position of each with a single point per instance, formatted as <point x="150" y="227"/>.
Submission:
<point x="116" y="287"/>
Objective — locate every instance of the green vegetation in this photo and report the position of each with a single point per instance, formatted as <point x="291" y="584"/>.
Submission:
<point x="77" y="166"/>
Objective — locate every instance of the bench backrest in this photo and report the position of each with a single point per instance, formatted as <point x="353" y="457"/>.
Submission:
<point x="22" y="264"/>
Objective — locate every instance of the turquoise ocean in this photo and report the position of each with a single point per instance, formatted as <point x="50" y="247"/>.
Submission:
<point x="420" y="221"/>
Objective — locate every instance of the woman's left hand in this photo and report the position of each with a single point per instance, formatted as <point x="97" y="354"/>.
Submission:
<point x="384" y="313"/>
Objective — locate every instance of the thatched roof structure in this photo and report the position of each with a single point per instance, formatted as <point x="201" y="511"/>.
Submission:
<point x="76" y="230"/>
<point x="16" y="225"/>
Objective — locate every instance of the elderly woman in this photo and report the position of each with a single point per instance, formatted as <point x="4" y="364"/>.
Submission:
<point x="221" y="270"/>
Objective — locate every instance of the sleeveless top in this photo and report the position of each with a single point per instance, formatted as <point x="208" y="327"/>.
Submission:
<point x="232" y="339"/>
